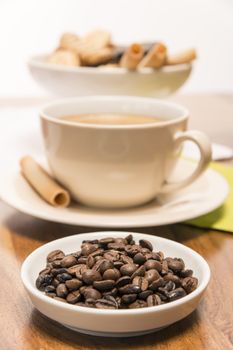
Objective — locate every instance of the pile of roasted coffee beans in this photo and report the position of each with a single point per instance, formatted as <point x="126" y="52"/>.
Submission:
<point x="115" y="273"/>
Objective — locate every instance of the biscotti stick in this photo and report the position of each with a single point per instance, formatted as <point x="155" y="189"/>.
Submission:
<point x="132" y="56"/>
<point x="43" y="184"/>
<point x="96" y="57"/>
<point x="155" y="58"/>
<point x="64" y="57"/>
<point x="183" y="57"/>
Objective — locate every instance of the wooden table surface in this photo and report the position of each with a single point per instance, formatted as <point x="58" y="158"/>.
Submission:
<point x="209" y="327"/>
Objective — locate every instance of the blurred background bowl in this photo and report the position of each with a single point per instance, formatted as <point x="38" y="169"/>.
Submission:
<point x="80" y="81"/>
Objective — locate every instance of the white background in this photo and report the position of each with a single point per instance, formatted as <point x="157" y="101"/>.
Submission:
<point x="29" y="27"/>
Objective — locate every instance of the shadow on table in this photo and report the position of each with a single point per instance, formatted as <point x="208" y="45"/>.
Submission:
<point x="55" y="332"/>
<point x="44" y="231"/>
<point x="33" y="232"/>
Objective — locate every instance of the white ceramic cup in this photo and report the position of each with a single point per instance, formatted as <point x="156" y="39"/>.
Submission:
<point x="118" y="165"/>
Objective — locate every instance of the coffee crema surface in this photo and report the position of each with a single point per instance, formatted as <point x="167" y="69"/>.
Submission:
<point x="110" y="119"/>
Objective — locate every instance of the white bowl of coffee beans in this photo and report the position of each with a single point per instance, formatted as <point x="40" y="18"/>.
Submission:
<point x="115" y="283"/>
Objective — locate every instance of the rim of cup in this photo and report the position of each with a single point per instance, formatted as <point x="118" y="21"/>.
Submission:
<point x="181" y="111"/>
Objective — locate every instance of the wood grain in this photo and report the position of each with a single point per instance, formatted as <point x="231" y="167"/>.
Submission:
<point x="23" y="328"/>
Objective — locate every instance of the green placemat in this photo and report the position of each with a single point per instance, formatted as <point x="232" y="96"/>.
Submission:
<point x="221" y="218"/>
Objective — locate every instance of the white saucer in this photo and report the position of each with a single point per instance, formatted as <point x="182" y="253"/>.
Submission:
<point x="203" y="196"/>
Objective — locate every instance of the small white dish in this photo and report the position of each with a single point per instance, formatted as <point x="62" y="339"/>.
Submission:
<point x="115" y="323"/>
<point x="84" y="81"/>
<point x="204" y="195"/>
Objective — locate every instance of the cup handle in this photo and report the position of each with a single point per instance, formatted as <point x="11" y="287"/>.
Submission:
<point x="204" y="145"/>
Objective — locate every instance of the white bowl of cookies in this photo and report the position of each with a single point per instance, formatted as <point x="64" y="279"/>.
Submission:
<point x="94" y="65"/>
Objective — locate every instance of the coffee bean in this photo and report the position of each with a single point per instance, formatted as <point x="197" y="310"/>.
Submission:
<point x="55" y="282"/>
<point x="141" y="282"/>
<point x="73" y="297"/>
<point x="163" y="297"/>
<point x="43" y="281"/>
<point x="153" y="264"/>
<point x="128" y="269"/>
<point x="80" y="271"/>
<point x="111" y="274"/>
<point x="73" y="284"/>
<point x="50" y="289"/>
<point x="175" y="264"/>
<point x="106" y="241"/>
<point x="113" y="292"/>
<point x="156" y="284"/>
<point x="68" y="261"/>
<point x="121" y="241"/>
<point x="82" y="260"/>
<point x="122" y="281"/>
<point x="90" y="261"/>
<point x="176" y="294"/>
<point x="128" y="298"/>
<point x="82" y="289"/>
<point x="90" y="302"/>
<point x="139" y="272"/>
<point x="144" y="295"/>
<point x="138" y="304"/>
<point x="55" y="255"/>
<point x="105" y="265"/>
<point x="98" y="252"/>
<point x="116" y="246"/>
<point x="169" y="286"/>
<point x="164" y="270"/>
<point x="145" y="251"/>
<point x="98" y="257"/>
<point x="59" y="271"/>
<point x="46" y="271"/>
<point x="56" y="264"/>
<point x="148" y="256"/>
<point x="129" y="239"/>
<point x="64" y="277"/>
<point x="72" y="270"/>
<point x="96" y="267"/>
<point x="104" y="285"/>
<point x="105" y="304"/>
<point x="91" y="293"/>
<point x="139" y="259"/>
<point x="153" y="300"/>
<point x="118" y="264"/>
<point x="77" y="254"/>
<point x="126" y="259"/>
<point x="132" y="250"/>
<point x="92" y="241"/>
<point x="152" y="275"/>
<point x="112" y="299"/>
<point x="88" y="248"/>
<point x="129" y="289"/>
<point x="173" y="278"/>
<point x="156" y="256"/>
<point x="186" y="273"/>
<point x="61" y="290"/>
<point x="189" y="284"/>
<point x="112" y="256"/>
<point x="89" y="276"/>
<point x="145" y="244"/>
